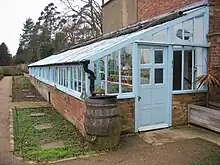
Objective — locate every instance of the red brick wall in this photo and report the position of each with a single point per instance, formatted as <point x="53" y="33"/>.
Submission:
<point x="214" y="31"/>
<point x="180" y="106"/>
<point x="73" y="109"/>
<point x="151" y="8"/>
<point x="214" y="40"/>
<point x="127" y="109"/>
<point x="69" y="107"/>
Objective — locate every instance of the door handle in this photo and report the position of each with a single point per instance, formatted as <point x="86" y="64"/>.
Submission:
<point x="139" y="98"/>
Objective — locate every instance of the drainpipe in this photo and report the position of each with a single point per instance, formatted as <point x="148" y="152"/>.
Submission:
<point x="92" y="77"/>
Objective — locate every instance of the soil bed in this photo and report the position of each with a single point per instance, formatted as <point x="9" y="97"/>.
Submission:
<point x="23" y="90"/>
<point x="29" y="140"/>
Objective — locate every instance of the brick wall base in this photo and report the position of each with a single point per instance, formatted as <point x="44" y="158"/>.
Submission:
<point x="127" y="109"/>
<point x="214" y="41"/>
<point x="69" y="107"/>
<point x="180" y="106"/>
<point x="73" y="109"/>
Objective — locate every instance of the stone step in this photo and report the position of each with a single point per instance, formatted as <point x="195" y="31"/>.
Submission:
<point x="53" y="145"/>
<point x="37" y="114"/>
<point x="43" y="126"/>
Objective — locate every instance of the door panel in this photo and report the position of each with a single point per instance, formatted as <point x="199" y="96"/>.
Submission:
<point x="153" y="88"/>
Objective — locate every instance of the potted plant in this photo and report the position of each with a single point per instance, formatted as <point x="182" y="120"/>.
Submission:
<point x="207" y="114"/>
<point x="212" y="78"/>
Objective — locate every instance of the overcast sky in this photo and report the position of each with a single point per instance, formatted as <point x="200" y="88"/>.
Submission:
<point x="13" y="14"/>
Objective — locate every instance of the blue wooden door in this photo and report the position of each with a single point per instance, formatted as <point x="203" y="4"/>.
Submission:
<point x="153" y="91"/>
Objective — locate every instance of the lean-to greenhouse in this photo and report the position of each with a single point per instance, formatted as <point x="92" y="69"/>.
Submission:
<point x="151" y="66"/>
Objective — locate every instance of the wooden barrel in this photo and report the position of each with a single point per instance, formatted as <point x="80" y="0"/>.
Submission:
<point x="102" y="119"/>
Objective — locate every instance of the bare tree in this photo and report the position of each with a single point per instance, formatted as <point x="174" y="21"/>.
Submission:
<point x="88" y="16"/>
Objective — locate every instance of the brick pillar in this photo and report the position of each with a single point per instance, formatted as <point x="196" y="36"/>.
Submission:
<point x="214" y="40"/>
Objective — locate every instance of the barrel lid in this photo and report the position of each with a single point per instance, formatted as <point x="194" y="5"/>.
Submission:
<point x="100" y="97"/>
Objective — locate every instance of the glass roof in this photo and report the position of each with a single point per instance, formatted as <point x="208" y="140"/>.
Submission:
<point x="86" y="52"/>
<point x="99" y="49"/>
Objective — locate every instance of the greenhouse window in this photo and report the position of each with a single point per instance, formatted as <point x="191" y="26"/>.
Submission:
<point x="114" y="72"/>
<point x="188" y="65"/>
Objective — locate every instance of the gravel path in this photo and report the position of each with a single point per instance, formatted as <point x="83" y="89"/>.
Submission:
<point x="6" y="157"/>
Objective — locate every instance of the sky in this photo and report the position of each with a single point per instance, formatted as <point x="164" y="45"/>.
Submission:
<point x="13" y="14"/>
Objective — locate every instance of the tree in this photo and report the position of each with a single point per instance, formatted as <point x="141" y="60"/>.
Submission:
<point x="88" y="16"/>
<point x="25" y="51"/>
<point x="54" y="31"/>
<point x="60" y="42"/>
<point x="20" y="56"/>
<point x="5" y="56"/>
<point x="50" y="21"/>
<point x="27" y="33"/>
<point x="46" y="49"/>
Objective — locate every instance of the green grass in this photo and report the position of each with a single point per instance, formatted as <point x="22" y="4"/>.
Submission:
<point x="211" y="158"/>
<point x="62" y="131"/>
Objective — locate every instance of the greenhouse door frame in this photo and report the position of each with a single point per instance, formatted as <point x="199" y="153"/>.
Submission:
<point x="148" y="115"/>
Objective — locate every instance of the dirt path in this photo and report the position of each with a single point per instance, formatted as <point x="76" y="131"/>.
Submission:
<point x="6" y="158"/>
<point x="137" y="152"/>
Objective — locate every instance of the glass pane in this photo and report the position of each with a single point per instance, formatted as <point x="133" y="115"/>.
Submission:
<point x="75" y="77"/>
<point x="199" y="30"/>
<point x="158" y="76"/>
<point x="145" y="56"/>
<point x="84" y="82"/>
<point x="66" y="77"/>
<point x="113" y="73"/>
<point x="188" y="30"/>
<point x="126" y="71"/>
<point x="99" y="69"/>
<point x="48" y="74"/>
<point x="177" y="33"/>
<point x="79" y="79"/>
<point x="60" y="76"/>
<point x="71" y="78"/>
<point x="187" y="68"/>
<point x="145" y="76"/>
<point x="199" y="62"/>
<point x="177" y="69"/>
<point x="160" y="36"/>
<point x="158" y="56"/>
<point x="62" y="83"/>
<point x="147" y="38"/>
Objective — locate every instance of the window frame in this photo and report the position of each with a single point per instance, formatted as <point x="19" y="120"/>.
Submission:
<point x="193" y="89"/>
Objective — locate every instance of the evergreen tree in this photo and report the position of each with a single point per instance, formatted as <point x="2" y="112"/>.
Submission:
<point x="5" y="56"/>
<point x="27" y="33"/>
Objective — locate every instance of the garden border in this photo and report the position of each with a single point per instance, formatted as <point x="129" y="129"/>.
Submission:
<point x="11" y="133"/>
<point x="11" y="130"/>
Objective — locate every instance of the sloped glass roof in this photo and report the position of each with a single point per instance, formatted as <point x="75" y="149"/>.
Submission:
<point x="86" y="52"/>
<point x="99" y="49"/>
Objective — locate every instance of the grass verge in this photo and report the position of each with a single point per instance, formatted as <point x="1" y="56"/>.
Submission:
<point x="28" y="140"/>
<point x="23" y="90"/>
<point x="21" y="83"/>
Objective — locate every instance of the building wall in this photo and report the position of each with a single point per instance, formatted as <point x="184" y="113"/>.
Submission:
<point x="118" y="14"/>
<point x="151" y="8"/>
<point x="180" y="106"/>
<point x="127" y="110"/>
<point x="74" y="109"/>
<point x="214" y="41"/>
